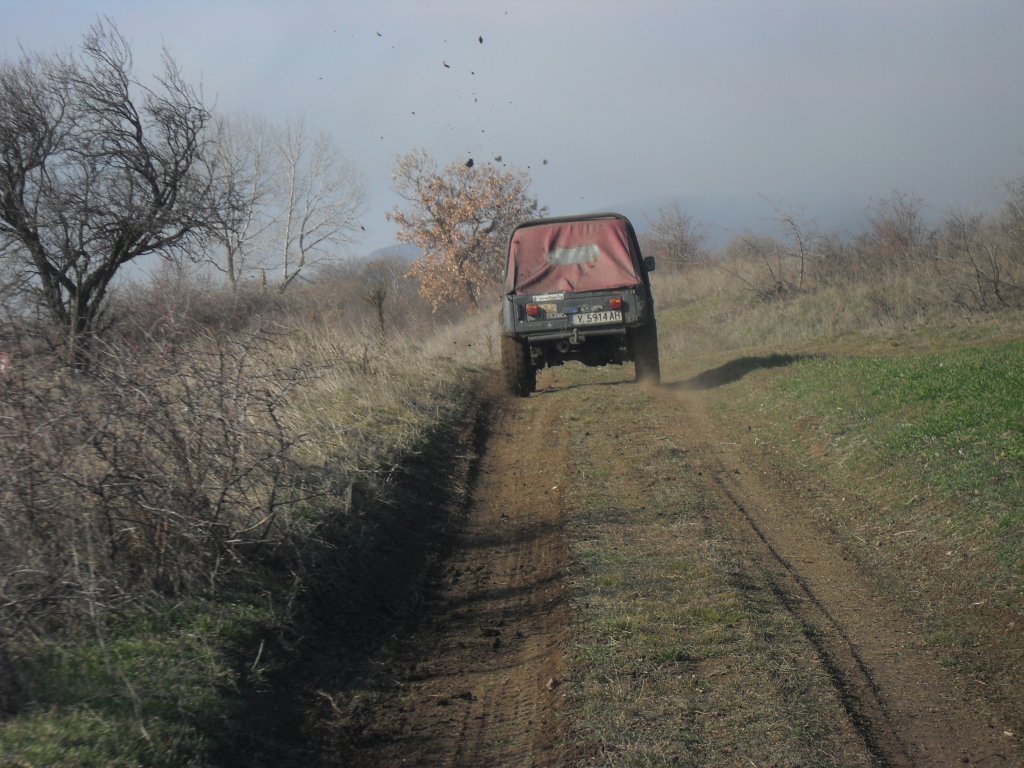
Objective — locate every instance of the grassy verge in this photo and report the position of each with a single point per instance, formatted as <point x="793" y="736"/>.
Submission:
<point x="924" y="420"/>
<point x="944" y="436"/>
<point x="144" y="695"/>
<point x="918" y="467"/>
<point x="681" y="655"/>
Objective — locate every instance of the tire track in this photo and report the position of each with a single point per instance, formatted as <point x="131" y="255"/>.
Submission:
<point x="476" y="684"/>
<point x="857" y="689"/>
<point x="908" y="710"/>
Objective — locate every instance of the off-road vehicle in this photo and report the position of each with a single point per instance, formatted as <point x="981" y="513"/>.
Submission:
<point x="576" y="288"/>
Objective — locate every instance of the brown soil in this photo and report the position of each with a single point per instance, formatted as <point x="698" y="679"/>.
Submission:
<point x="909" y="710"/>
<point x="478" y="679"/>
<point x="478" y="683"/>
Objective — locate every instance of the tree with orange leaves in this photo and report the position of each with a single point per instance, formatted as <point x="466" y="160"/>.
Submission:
<point x="461" y="218"/>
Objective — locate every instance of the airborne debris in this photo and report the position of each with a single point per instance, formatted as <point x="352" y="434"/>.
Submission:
<point x="481" y="39"/>
<point x="446" y="65"/>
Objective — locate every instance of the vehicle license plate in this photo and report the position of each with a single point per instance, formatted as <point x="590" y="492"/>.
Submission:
<point x="597" y="318"/>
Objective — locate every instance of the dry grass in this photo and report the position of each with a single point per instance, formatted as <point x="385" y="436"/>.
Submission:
<point x="711" y="301"/>
<point x="180" y="470"/>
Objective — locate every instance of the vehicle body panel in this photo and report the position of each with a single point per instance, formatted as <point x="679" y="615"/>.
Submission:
<point x="572" y="256"/>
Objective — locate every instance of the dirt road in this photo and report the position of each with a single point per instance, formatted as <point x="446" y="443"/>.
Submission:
<point x="486" y="677"/>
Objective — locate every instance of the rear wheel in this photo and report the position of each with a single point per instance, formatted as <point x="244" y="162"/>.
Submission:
<point x="643" y="344"/>
<point x="516" y="367"/>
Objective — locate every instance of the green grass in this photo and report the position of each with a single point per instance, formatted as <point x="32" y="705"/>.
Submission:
<point x="151" y="693"/>
<point x="942" y="436"/>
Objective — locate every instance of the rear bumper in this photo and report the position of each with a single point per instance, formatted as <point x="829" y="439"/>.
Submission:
<point x="574" y="335"/>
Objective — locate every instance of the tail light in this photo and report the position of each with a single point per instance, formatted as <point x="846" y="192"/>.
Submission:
<point x="532" y="310"/>
<point x="615" y="303"/>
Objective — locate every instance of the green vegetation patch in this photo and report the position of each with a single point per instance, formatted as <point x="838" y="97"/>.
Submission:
<point x="942" y="433"/>
<point x="150" y="692"/>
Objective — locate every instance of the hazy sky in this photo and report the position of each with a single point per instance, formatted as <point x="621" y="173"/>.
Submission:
<point x="805" y="102"/>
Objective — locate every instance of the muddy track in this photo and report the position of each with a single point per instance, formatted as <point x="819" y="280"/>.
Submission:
<point x="479" y="680"/>
<point x="477" y="683"/>
<point x="907" y="709"/>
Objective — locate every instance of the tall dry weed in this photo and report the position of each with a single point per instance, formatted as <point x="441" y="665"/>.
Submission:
<point x="156" y="470"/>
<point x="969" y="268"/>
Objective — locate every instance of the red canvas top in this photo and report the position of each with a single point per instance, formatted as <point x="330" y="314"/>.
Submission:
<point x="586" y="255"/>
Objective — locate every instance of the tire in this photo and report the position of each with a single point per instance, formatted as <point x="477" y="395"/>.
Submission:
<point x="644" y="348"/>
<point x="517" y="370"/>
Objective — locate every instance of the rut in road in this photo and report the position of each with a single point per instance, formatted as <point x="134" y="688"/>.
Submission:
<point x="478" y="683"/>
<point x="907" y="708"/>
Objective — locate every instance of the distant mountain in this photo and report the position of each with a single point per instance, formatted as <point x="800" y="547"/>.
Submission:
<point x="402" y="251"/>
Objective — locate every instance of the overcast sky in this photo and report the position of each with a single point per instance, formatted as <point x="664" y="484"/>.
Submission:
<point x="804" y="102"/>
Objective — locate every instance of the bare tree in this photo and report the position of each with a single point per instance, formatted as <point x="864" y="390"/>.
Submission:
<point x="382" y="278"/>
<point x="988" y="253"/>
<point x="318" y="203"/>
<point x="461" y="217"/>
<point x="898" y="233"/>
<point x="785" y="260"/>
<point x="293" y="201"/>
<point x="800" y="248"/>
<point x="1012" y="218"/>
<point x="247" y="158"/>
<point x="96" y="170"/>
<point x="675" y="240"/>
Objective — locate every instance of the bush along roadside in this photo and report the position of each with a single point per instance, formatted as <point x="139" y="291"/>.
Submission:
<point x="177" y="519"/>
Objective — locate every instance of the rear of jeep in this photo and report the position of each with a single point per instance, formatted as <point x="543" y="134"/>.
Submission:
<point x="576" y="288"/>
